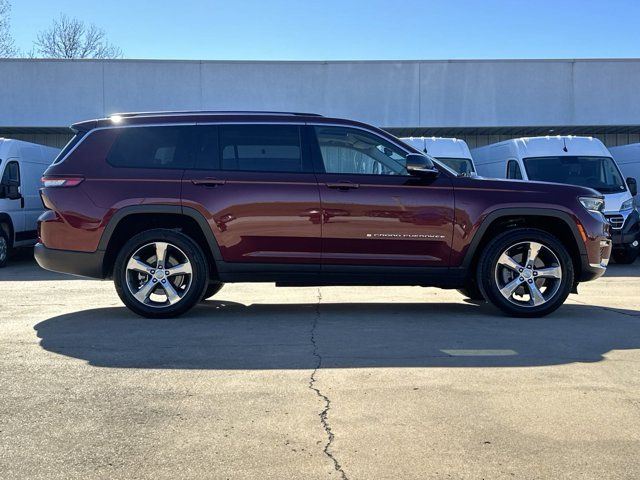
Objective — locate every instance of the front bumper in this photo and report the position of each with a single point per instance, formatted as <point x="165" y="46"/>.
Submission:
<point x="84" y="264"/>
<point x="630" y="232"/>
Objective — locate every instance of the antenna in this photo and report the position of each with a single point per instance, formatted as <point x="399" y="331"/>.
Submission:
<point x="564" y="141"/>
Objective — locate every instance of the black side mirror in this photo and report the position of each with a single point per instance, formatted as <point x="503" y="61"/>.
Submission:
<point x="633" y="186"/>
<point x="10" y="190"/>
<point x="421" y="166"/>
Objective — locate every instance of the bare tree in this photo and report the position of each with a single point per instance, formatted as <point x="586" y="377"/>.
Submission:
<point x="7" y="46"/>
<point x="72" y="38"/>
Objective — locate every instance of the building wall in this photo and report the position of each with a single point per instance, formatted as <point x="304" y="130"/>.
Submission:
<point x="40" y="95"/>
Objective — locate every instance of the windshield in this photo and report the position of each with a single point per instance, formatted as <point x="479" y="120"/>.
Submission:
<point x="599" y="173"/>
<point x="462" y="166"/>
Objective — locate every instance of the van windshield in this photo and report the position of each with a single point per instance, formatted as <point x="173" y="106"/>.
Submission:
<point x="599" y="173"/>
<point x="462" y="166"/>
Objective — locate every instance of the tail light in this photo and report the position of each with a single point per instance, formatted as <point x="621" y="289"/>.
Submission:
<point x="54" y="182"/>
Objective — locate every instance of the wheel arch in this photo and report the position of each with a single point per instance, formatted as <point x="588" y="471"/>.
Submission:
<point x="561" y="226"/>
<point x="137" y="218"/>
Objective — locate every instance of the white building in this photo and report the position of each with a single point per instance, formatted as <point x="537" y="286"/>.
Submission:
<point x="479" y="101"/>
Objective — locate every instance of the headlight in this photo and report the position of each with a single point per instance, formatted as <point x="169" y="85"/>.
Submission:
<point x="592" y="204"/>
<point x="626" y="205"/>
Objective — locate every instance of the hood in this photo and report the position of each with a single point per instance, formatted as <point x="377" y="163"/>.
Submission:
<point x="533" y="186"/>
<point x="613" y="201"/>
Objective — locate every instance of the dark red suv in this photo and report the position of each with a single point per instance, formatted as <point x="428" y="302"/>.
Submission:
<point x="173" y="205"/>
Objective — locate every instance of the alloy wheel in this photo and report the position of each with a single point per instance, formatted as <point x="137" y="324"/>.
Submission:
<point x="159" y="274"/>
<point x="528" y="274"/>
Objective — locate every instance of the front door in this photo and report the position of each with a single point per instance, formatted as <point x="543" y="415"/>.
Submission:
<point x="374" y="212"/>
<point x="256" y="187"/>
<point x="11" y="182"/>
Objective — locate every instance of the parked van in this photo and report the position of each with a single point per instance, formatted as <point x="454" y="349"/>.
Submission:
<point x="453" y="152"/>
<point x="21" y="167"/>
<point x="583" y="161"/>
<point x="628" y="159"/>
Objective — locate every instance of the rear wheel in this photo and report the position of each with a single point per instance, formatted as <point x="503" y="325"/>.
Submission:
<point x="160" y="273"/>
<point x="4" y="248"/>
<point x="525" y="273"/>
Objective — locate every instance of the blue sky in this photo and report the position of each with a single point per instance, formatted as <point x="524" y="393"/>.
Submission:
<point x="349" y="29"/>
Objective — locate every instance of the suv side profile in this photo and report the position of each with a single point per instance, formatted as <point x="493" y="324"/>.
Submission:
<point x="173" y="205"/>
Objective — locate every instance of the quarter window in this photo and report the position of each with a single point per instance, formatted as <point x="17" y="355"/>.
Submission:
<point x="513" y="170"/>
<point x="152" y="147"/>
<point x="353" y="151"/>
<point x="261" y="148"/>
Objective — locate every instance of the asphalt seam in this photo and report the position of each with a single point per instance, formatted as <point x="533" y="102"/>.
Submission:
<point x="324" y="414"/>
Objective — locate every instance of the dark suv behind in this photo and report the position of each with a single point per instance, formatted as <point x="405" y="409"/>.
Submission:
<point x="174" y="205"/>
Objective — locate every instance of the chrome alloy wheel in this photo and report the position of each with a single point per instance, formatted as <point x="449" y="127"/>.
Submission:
<point x="3" y="249"/>
<point x="159" y="274"/>
<point x="528" y="274"/>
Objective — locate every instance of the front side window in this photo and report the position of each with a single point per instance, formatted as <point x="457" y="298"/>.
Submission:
<point x="152" y="147"/>
<point x="353" y="151"/>
<point x="599" y="173"/>
<point x="261" y="148"/>
<point x="513" y="170"/>
<point x="11" y="174"/>
<point x="462" y="166"/>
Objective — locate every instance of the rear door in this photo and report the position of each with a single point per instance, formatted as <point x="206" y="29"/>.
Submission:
<point x="254" y="183"/>
<point x="374" y="212"/>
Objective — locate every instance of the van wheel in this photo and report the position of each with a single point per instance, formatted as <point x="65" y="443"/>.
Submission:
<point x="626" y="256"/>
<point x="4" y="248"/>
<point x="525" y="273"/>
<point x="160" y="273"/>
<point x="212" y="289"/>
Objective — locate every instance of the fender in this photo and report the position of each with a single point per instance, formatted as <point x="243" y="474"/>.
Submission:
<point x="161" y="209"/>
<point x="509" y="212"/>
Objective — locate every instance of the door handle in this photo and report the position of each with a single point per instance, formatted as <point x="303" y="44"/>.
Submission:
<point x="343" y="185"/>
<point x="208" y="182"/>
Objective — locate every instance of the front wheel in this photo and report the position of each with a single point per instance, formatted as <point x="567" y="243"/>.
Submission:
<point x="525" y="273"/>
<point x="4" y="248"/>
<point x="160" y="273"/>
<point x="625" y="256"/>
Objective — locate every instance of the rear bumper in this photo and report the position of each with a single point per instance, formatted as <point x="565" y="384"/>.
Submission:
<point x="74" y="263"/>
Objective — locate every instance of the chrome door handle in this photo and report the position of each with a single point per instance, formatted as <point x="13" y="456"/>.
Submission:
<point x="343" y="185"/>
<point x="208" y="182"/>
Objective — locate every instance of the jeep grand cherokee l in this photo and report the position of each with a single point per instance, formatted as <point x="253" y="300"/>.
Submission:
<point x="173" y="205"/>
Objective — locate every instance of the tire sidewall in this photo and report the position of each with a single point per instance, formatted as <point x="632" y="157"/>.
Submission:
<point x="193" y="252"/>
<point x="486" y="277"/>
<point x="3" y="238"/>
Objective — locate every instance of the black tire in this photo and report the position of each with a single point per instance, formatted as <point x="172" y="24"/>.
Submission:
<point x="556" y="290"/>
<point x="212" y="289"/>
<point x="181" y="250"/>
<point x="472" y="292"/>
<point x="625" y="256"/>
<point x="4" y="248"/>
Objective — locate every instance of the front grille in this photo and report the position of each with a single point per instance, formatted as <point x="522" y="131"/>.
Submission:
<point x="616" y="221"/>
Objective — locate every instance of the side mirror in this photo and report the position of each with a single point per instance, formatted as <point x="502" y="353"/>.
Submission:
<point x="421" y="166"/>
<point x="633" y="186"/>
<point x="10" y="190"/>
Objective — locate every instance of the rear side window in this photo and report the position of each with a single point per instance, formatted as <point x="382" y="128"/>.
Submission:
<point x="69" y="146"/>
<point x="513" y="170"/>
<point x="153" y="147"/>
<point x="261" y="148"/>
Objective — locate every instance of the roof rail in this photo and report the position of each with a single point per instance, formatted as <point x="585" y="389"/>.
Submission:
<point x="211" y="112"/>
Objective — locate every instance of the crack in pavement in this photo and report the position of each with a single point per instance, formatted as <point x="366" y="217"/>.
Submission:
<point x="324" y="415"/>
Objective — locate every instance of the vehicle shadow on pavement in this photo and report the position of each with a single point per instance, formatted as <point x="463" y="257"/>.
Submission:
<point x="227" y="335"/>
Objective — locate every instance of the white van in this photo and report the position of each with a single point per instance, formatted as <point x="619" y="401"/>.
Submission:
<point x="574" y="160"/>
<point x="628" y="159"/>
<point x="453" y="152"/>
<point x="21" y="167"/>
